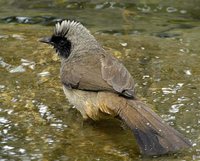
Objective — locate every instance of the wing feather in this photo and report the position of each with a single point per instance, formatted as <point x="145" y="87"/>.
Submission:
<point x="116" y="75"/>
<point x="97" y="72"/>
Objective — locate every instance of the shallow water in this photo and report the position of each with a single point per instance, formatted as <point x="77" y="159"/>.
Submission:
<point x="157" y="41"/>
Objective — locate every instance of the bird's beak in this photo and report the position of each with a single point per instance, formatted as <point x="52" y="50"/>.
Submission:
<point x="46" y="40"/>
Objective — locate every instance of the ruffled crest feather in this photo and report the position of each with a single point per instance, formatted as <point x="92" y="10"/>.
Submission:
<point x="64" y="27"/>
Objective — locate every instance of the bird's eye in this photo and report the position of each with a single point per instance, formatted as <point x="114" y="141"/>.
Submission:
<point x="62" y="42"/>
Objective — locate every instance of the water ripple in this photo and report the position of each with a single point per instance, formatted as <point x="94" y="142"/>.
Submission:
<point x="3" y="120"/>
<point x="172" y="89"/>
<point x="171" y="9"/>
<point x="175" y="108"/>
<point x="45" y="20"/>
<point x="17" y="69"/>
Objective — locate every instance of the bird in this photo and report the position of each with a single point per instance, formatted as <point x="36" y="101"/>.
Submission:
<point x="99" y="85"/>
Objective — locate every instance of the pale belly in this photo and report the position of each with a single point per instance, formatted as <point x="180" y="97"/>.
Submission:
<point x="88" y="103"/>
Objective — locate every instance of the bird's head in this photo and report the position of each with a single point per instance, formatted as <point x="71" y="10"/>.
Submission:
<point x="68" y="36"/>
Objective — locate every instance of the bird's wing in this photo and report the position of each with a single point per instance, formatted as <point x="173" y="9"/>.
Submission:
<point x="97" y="72"/>
<point x="117" y="76"/>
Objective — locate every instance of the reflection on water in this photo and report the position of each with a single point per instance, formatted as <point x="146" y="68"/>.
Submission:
<point x="18" y="69"/>
<point x="157" y="41"/>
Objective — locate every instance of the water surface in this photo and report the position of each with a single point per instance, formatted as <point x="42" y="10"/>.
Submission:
<point x="158" y="41"/>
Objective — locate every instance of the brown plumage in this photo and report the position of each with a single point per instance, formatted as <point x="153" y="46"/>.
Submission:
<point x="98" y="84"/>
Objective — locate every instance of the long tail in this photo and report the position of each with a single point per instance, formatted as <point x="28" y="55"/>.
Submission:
<point x="153" y="135"/>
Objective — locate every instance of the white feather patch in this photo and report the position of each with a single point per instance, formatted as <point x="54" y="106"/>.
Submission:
<point x="62" y="28"/>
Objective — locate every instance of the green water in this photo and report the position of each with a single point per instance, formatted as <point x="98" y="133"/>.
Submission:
<point x="158" y="41"/>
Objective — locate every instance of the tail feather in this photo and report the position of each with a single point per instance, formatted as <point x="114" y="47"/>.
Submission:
<point x="153" y="135"/>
